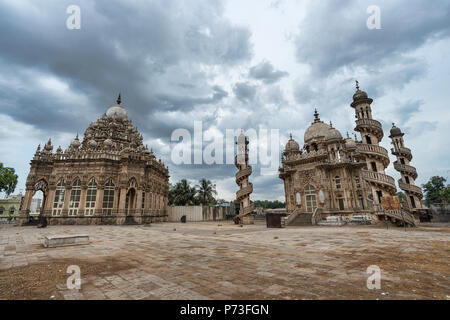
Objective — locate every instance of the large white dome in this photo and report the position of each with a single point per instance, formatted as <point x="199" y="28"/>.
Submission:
<point x="117" y="111"/>
<point x="316" y="131"/>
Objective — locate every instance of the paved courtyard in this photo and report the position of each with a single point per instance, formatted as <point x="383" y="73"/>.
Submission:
<point x="219" y="260"/>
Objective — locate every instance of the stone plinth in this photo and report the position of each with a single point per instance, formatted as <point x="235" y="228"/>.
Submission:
<point x="65" y="240"/>
<point x="249" y="219"/>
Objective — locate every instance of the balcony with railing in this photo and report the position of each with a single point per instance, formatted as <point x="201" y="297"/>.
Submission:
<point x="371" y="124"/>
<point x="379" y="178"/>
<point x="374" y="150"/>
<point x="240" y="175"/>
<point x="410" y="170"/>
<point x="244" y="192"/>
<point x="402" y="152"/>
<point x="410" y="188"/>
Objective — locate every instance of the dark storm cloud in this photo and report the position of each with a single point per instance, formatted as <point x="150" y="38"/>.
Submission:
<point x="334" y="34"/>
<point x="266" y="72"/>
<point x="244" y="91"/>
<point x="406" y="110"/>
<point x="147" y="51"/>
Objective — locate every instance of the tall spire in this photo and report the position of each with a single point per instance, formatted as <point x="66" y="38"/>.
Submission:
<point x="118" y="99"/>
<point x="316" y="115"/>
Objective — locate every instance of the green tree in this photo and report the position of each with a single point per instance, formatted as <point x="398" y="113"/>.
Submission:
<point x="8" y="180"/>
<point x="267" y="204"/>
<point x="445" y="194"/>
<point x="182" y="194"/>
<point x="433" y="188"/>
<point x="205" y="192"/>
<point x="402" y="199"/>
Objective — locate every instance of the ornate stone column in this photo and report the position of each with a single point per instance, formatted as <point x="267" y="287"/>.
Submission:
<point x="245" y="187"/>
<point x="24" y="214"/>
<point x="82" y="205"/>
<point x="99" y="201"/>
<point x="121" y="214"/>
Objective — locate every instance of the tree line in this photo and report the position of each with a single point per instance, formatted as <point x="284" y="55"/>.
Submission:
<point x="183" y="194"/>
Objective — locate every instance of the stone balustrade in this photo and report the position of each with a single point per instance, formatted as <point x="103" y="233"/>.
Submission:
<point x="410" y="170"/>
<point x="378" y="177"/>
<point x="410" y="188"/>
<point x="374" y="150"/>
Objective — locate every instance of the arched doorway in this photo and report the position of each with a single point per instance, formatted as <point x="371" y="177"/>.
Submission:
<point x="311" y="202"/>
<point x="130" y="201"/>
<point x="38" y="201"/>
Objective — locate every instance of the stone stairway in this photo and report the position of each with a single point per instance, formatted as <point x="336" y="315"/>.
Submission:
<point x="302" y="219"/>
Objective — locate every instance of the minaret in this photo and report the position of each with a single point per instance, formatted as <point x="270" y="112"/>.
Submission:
<point x="246" y="207"/>
<point x="409" y="174"/>
<point x="377" y="157"/>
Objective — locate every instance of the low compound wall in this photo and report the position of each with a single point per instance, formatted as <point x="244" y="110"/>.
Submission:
<point x="440" y="212"/>
<point x="197" y="213"/>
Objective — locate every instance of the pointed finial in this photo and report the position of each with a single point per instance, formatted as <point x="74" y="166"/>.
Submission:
<point x="348" y="136"/>
<point x="119" y="99"/>
<point x="357" y="85"/>
<point x="356" y="138"/>
<point x="316" y="115"/>
<point x="331" y="124"/>
<point x="76" y="138"/>
<point x="291" y="136"/>
<point x="393" y="124"/>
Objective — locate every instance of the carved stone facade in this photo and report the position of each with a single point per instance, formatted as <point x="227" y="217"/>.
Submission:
<point x="108" y="178"/>
<point x="338" y="176"/>
<point x="408" y="173"/>
<point x="246" y="206"/>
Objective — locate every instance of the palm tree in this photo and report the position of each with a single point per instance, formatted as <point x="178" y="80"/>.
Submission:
<point x="205" y="192"/>
<point x="182" y="194"/>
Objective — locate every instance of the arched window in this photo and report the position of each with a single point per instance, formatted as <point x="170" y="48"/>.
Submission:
<point x="58" y="202"/>
<point x="143" y="199"/>
<point x="74" y="201"/>
<point x="311" y="203"/>
<point x="321" y="196"/>
<point x="12" y="210"/>
<point x="361" y="202"/>
<point x="299" y="198"/>
<point x="108" y="198"/>
<point x="150" y="201"/>
<point x="91" y="197"/>
<point x="337" y="181"/>
<point x="368" y="139"/>
<point x="2" y="210"/>
<point x="357" y="182"/>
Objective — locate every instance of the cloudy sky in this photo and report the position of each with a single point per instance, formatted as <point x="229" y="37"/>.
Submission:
<point x="230" y="64"/>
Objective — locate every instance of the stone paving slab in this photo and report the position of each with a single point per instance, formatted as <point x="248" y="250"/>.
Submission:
<point x="207" y="261"/>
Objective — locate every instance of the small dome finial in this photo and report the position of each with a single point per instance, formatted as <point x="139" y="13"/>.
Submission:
<point x="119" y="99"/>
<point x="393" y="124"/>
<point x="316" y="115"/>
<point x="331" y="124"/>
<point x="357" y="85"/>
<point x="290" y="135"/>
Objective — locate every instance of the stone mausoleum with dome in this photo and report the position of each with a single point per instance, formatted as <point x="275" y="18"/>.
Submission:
<point x="109" y="177"/>
<point x="333" y="176"/>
